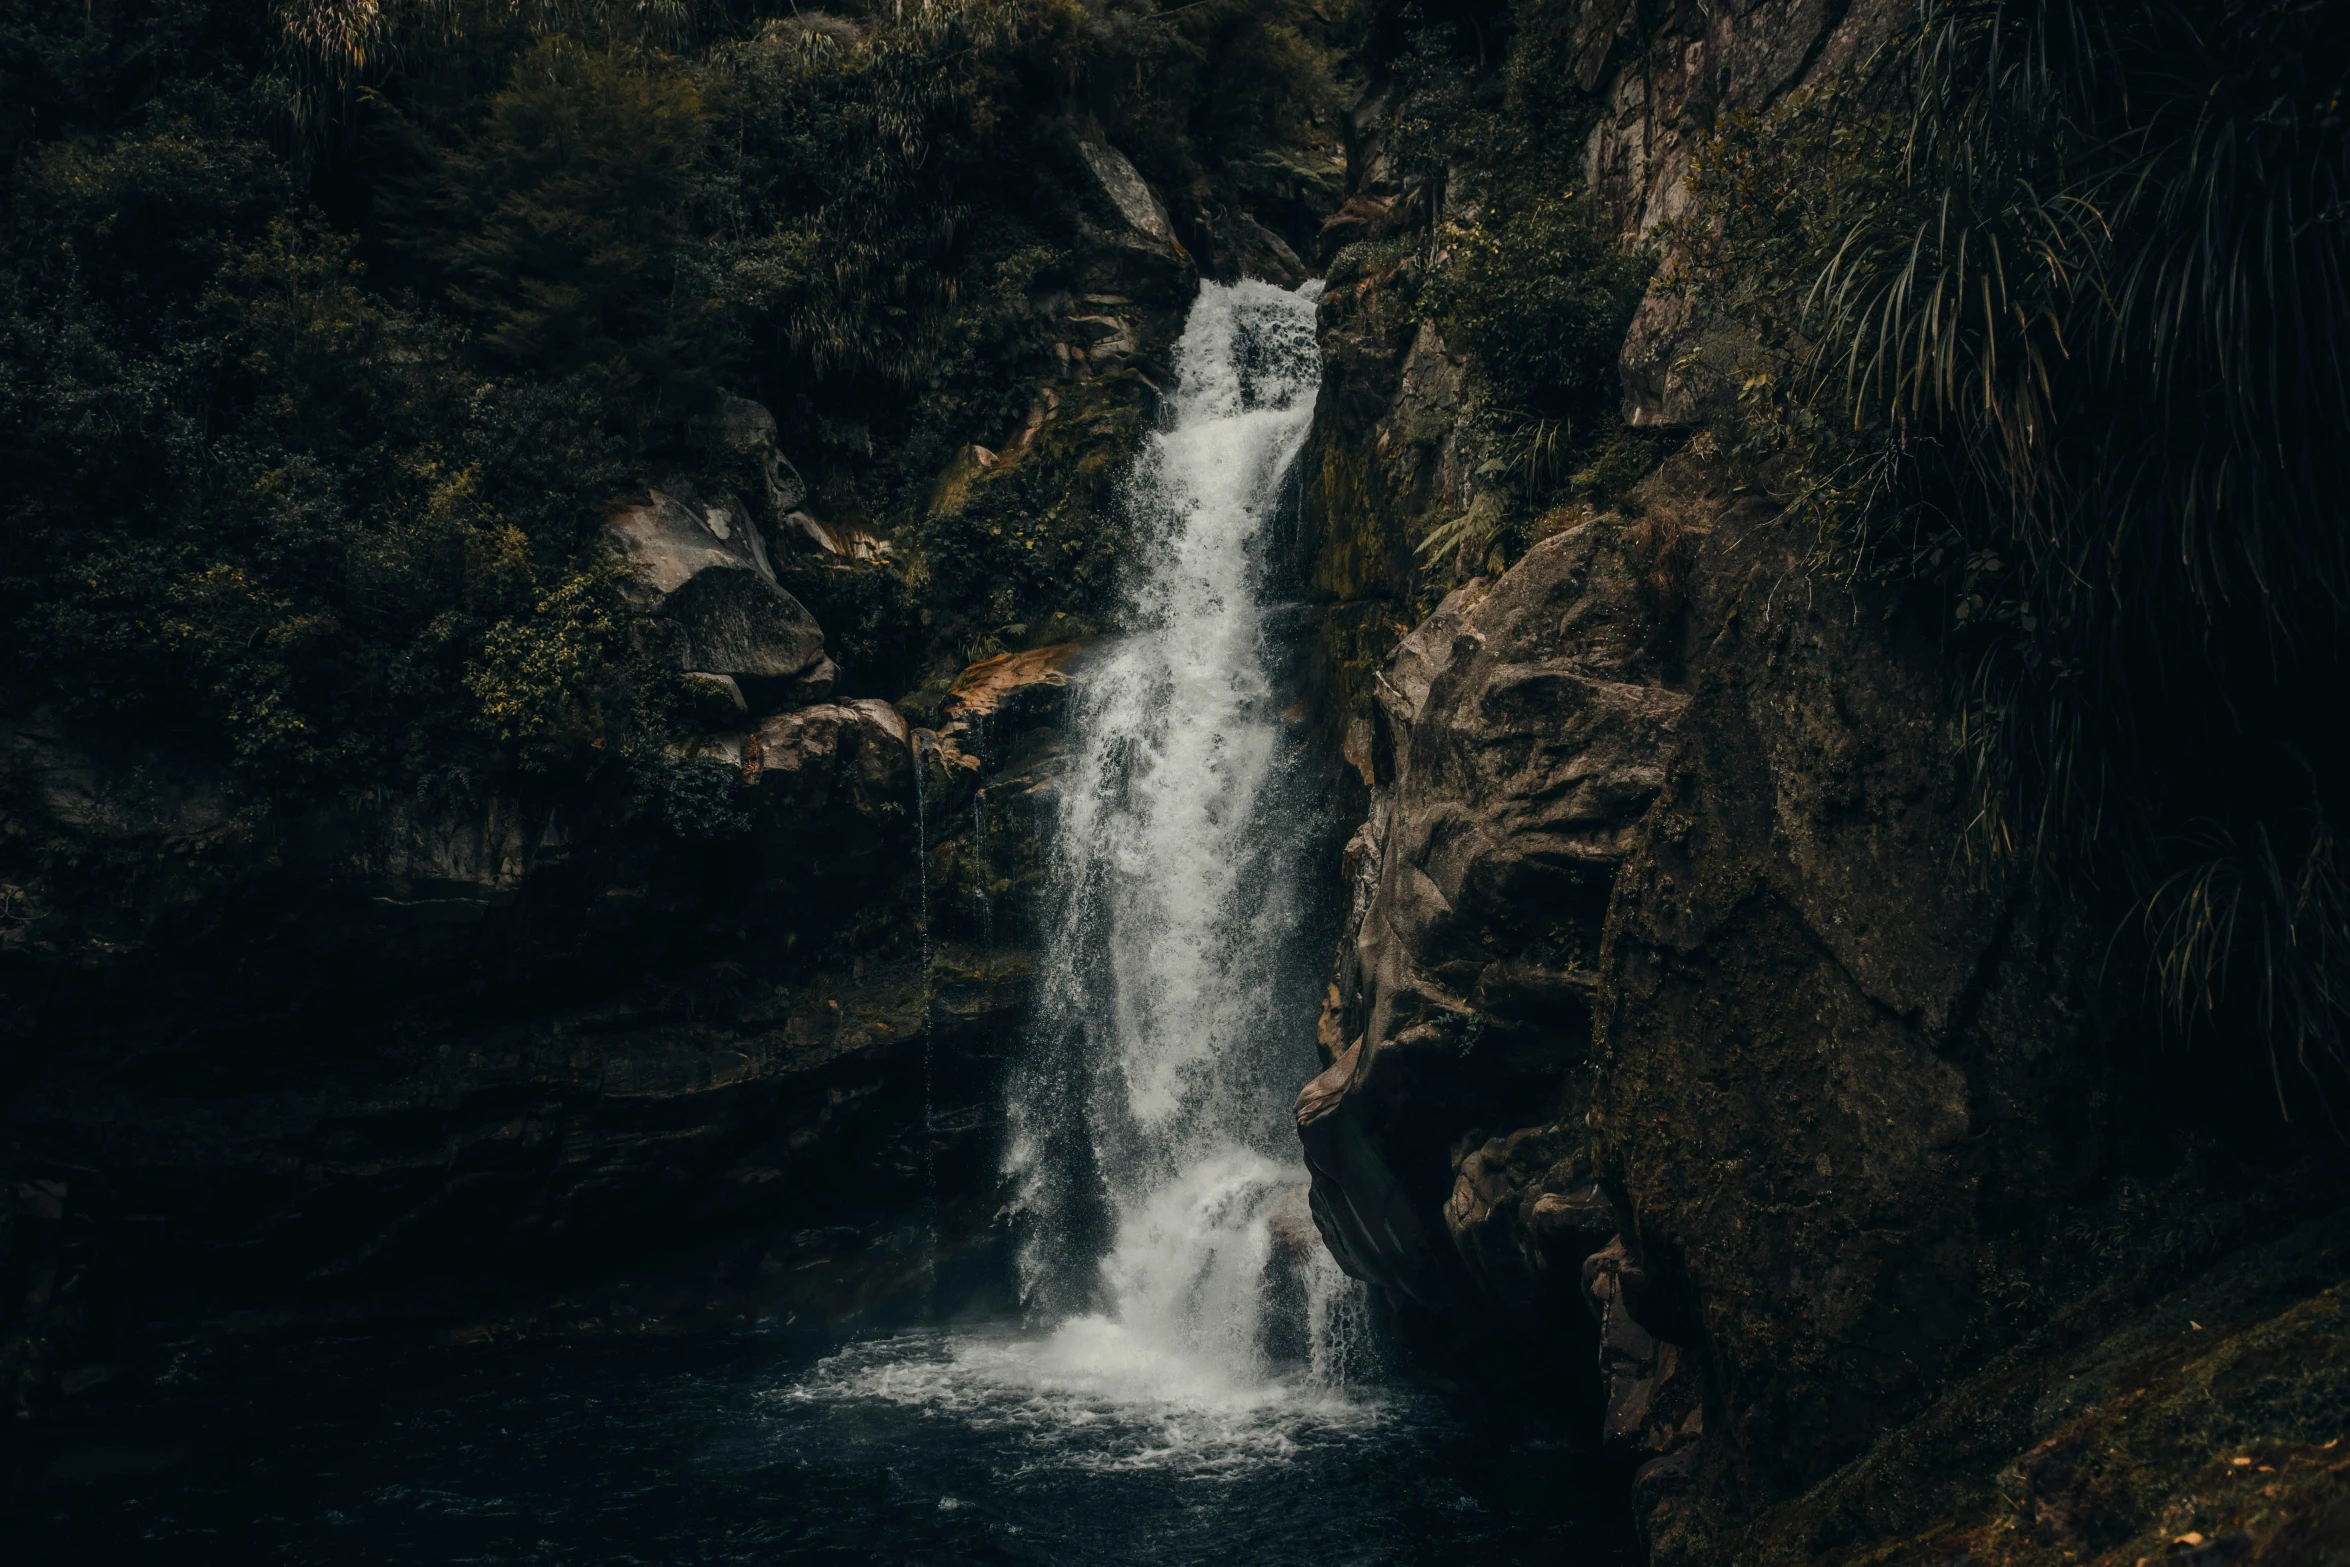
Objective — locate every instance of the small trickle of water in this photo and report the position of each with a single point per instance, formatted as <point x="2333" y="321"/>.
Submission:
<point x="922" y="979"/>
<point x="979" y="866"/>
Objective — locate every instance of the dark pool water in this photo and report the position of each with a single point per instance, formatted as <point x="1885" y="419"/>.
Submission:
<point x="947" y="1448"/>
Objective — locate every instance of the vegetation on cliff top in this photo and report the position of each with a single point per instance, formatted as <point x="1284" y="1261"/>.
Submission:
<point x="327" y="335"/>
<point x="1525" y="279"/>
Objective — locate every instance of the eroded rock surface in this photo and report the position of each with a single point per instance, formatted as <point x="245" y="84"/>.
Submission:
<point x="860" y="752"/>
<point x="1665" y="77"/>
<point x="1666" y="1034"/>
<point x="1521" y="736"/>
<point x="1130" y="195"/>
<point x="1838" y="1079"/>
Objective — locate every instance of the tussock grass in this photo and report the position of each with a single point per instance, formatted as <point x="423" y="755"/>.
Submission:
<point x="2054" y="319"/>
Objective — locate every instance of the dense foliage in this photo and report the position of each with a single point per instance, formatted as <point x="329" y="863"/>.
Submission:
<point x="2052" y="334"/>
<point x="1529" y="283"/>
<point x="327" y="334"/>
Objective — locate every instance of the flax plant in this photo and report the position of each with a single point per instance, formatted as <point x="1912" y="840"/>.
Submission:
<point x="2073" y="360"/>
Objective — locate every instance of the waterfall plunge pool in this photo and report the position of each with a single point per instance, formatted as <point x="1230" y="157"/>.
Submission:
<point x="940" y="1448"/>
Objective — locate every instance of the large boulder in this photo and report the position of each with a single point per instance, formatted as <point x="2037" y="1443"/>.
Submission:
<point x="1521" y="736"/>
<point x="991" y="778"/>
<point x="674" y="533"/>
<point x="749" y="428"/>
<point x="857" y="754"/>
<point x="1128" y="194"/>
<point x="708" y="585"/>
<point x="1841" y="1083"/>
<point x="1130" y="257"/>
<point x="739" y="624"/>
<point x="1005" y="695"/>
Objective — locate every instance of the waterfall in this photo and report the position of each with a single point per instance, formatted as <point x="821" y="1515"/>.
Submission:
<point x="1181" y="1313"/>
<point x="1151" y="1143"/>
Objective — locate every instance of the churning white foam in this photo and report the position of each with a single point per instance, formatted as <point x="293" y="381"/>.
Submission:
<point x="1092" y="1396"/>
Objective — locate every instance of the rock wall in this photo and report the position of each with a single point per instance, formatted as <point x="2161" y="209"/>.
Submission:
<point x="1841" y="1085"/>
<point x="1518" y="744"/>
<point x="1669" y="1038"/>
<point x="1665" y="75"/>
<point x="1395" y="449"/>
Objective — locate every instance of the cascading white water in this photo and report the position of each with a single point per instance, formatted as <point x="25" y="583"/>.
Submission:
<point x="1167" y="1055"/>
<point x="1158" y="1180"/>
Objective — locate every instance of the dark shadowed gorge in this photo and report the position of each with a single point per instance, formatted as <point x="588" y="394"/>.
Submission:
<point x="1305" y="782"/>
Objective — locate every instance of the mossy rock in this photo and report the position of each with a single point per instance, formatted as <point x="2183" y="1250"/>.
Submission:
<point x="1031" y="531"/>
<point x="2204" y="1425"/>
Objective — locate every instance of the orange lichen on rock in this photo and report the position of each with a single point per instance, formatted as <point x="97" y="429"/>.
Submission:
<point x="982" y="687"/>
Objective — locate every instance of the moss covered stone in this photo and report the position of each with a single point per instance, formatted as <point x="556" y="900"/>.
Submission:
<point x="2203" y="1423"/>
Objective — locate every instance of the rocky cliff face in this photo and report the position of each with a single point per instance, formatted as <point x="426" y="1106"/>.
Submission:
<point x="1839" y="1086"/>
<point x="1672" y="1044"/>
<point x="500" y="1061"/>
<point x="1665" y="77"/>
<point x="1517" y="746"/>
<point x="1672" y="1036"/>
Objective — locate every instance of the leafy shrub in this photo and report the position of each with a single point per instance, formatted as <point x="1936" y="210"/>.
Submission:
<point x="1044" y="529"/>
<point x="1540" y="300"/>
<point x="861" y="157"/>
<point x="563" y="222"/>
<point x="554" y="680"/>
<point x="697" y="798"/>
